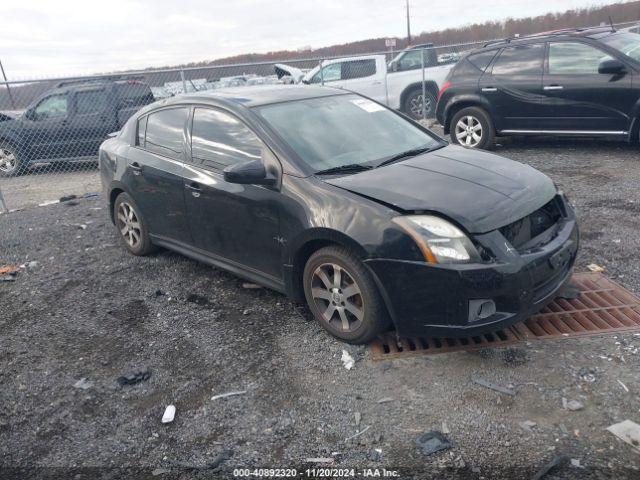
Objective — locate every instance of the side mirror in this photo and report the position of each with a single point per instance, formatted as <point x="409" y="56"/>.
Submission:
<point x="612" y="67"/>
<point x="30" y="114"/>
<point x="248" y="173"/>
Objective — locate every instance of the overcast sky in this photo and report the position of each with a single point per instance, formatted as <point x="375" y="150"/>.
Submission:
<point x="41" y="38"/>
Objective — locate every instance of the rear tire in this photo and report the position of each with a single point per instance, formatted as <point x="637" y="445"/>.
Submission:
<point x="412" y="104"/>
<point x="11" y="160"/>
<point x="131" y="226"/>
<point x="472" y="127"/>
<point x="343" y="296"/>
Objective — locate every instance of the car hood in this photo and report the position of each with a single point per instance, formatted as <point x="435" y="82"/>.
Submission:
<point x="479" y="190"/>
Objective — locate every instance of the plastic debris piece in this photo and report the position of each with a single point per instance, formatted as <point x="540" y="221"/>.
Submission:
<point x="67" y="198"/>
<point x="320" y="460"/>
<point x="48" y="202"/>
<point x="445" y="428"/>
<point x="595" y="268"/>
<point x="133" y="378"/>
<point x="493" y="386"/>
<point x="628" y="432"/>
<point x="385" y="400"/>
<point x="527" y="425"/>
<point x="626" y="389"/>
<point x="432" y="442"/>
<point x="357" y="433"/>
<point x="347" y="360"/>
<point x="358" y="416"/>
<point x="228" y="394"/>
<point x="556" y="462"/>
<point x="169" y="414"/>
<point x="83" y="384"/>
<point x="251" y="286"/>
<point x="8" y="269"/>
<point x="573" y="405"/>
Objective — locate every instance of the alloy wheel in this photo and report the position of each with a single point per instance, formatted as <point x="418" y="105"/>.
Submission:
<point x="338" y="297"/>
<point x="129" y="225"/>
<point x="469" y="131"/>
<point x="415" y="105"/>
<point x="8" y="161"/>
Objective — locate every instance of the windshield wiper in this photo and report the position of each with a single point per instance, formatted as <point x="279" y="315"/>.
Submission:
<point x="406" y="154"/>
<point x="349" y="168"/>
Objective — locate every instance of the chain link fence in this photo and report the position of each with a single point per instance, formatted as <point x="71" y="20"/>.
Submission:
<point x="51" y="129"/>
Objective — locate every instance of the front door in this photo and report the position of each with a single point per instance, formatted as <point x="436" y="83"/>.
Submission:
<point x="514" y="88"/>
<point x="47" y="129"/>
<point x="237" y="223"/>
<point x="583" y="99"/>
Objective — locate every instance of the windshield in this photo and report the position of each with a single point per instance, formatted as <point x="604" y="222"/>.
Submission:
<point x="627" y="43"/>
<point x="330" y="132"/>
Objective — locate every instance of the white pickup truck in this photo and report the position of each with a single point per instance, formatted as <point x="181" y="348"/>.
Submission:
<point x="397" y="85"/>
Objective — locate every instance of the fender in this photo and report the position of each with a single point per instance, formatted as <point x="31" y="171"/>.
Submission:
<point x="114" y="189"/>
<point x="460" y="101"/>
<point x="634" y="124"/>
<point x="13" y="136"/>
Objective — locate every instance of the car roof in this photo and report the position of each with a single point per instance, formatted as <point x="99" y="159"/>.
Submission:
<point x="593" y="32"/>
<point x="257" y="95"/>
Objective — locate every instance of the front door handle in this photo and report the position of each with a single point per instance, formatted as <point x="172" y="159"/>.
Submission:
<point x="194" y="188"/>
<point x="136" y="167"/>
<point x="553" y="87"/>
<point x="489" y="89"/>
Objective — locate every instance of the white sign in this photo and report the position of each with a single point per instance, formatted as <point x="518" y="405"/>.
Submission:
<point x="390" y="42"/>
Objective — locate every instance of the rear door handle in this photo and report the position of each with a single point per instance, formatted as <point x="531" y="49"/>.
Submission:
<point x="553" y="87"/>
<point x="136" y="167"/>
<point x="194" y="188"/>
<point x="489" y="89"/>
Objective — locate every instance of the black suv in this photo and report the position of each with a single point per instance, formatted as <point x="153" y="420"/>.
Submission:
<point x="570" y="82"/>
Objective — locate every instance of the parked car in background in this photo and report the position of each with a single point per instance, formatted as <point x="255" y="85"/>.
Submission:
<point x="397" y="85"/>
<point x="571" y="82"/>
<point x="71" y="120"/>
<point x="341" y="202"/>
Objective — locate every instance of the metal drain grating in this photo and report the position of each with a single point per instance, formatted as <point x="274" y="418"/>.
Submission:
<point x="603" y="307"/>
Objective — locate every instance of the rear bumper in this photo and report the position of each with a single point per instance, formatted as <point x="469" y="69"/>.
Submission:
<point x="435" y="300"/>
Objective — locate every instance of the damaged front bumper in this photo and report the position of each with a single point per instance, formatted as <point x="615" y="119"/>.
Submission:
<point x="426" y="299"/>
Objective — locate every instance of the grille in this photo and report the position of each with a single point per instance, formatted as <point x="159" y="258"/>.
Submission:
<point x="536" y="229"/>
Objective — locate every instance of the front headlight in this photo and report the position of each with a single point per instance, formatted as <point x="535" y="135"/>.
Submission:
<point x="439" y="241"/>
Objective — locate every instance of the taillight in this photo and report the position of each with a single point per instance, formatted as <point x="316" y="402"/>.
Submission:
<point x="445" y="85"/>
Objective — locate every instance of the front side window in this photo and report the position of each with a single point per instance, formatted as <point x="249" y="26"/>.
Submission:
<point x="90" y="102"/>
<point x="627" y="43"/>
<point x="51" y="107"/>
<point x="219" y="139"/>
<point x="520" y="60"/>
<point x="571" y="58"/>
<point x="165" y="131"/>
<point x="410" y="60"/>
<point x="342" y="130"/>
<point x="328" y="73"/>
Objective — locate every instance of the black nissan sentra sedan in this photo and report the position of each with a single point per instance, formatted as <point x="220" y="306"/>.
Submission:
<point x="338" y="201"/>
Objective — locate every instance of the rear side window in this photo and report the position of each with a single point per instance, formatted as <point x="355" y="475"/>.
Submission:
<point x="569" y="58"/>
<point x="219" y="139"/>
<point x="520" y="60"/>
<point x="165" y="132"/>
<point x="133" y="93"/>
<point x="358" y="69"/>
<point x="142" y="127"/>
<point x="481" y="60"/>
<point x="91" y="101"/>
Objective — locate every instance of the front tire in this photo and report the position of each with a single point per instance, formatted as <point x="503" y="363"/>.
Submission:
<point x="412" y="105"/>
<point x="132" y="229"/>
<point x="343" y="296"/>
<point x="471" y="127"/>
<point x="11" y="160"/>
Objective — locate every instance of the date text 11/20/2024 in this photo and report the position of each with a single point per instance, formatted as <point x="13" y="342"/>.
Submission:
<point x="316" y="473"/>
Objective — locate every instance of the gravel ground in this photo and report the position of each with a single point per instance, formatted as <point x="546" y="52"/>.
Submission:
<point x="89" y="310"/>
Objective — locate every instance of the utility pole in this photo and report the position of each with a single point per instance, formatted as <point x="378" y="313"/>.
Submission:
<point x="408" y="25"/>
<point x="13" y="105"/>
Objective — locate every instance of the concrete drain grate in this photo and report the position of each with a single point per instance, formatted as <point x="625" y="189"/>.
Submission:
<point x="603" y="307"/>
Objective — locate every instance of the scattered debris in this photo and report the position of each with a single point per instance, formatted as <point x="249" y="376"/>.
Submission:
<point x="251" y="286"/>
<point x="8" y="269"/>
<point x="358" y="416"/>
<point x="576" y="463"/>
<point x="445" y="428"/>
<point x="135" y="377"/>
<point x="595" y="268"/>
<point x="493" y="386"/>
<point x="320" y="460"/>
<point x="556" y="462"/>
<point x="432" y="442"/>
<point x="527" y="425"/>
<point x="385" y="400"/>
<point x="169" y="414"/>
<point x="79" y="226"/>
<point x="347" y="360"/>
<point x="358" y="433"/>
<point x="32" y="264"/>
<point x="563" y="429"/>
<point x="67" y="198"/>
<point x="628" y="432"/>
<point x="8" y="278"/>
<point x="572" y="405"/>
<point x="160" y="471"/>
<point x="246" y="312"/>
<point x="626" y="389"/>
<point x="83" y="384"/>
<point x="228" y="394"/>
<point x="48" y="202"/>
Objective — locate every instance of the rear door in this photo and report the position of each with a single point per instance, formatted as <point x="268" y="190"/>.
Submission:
<point x="155" y="172"/>
<point x="365" y="76"/>
<point x="583" y="99"/>
<point x="92" y="119"/>
<point x="513" y="86"/>
<point x="238" y="223"/>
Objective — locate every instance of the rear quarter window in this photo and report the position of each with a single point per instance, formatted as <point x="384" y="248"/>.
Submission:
<point x="481" y="60"/>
